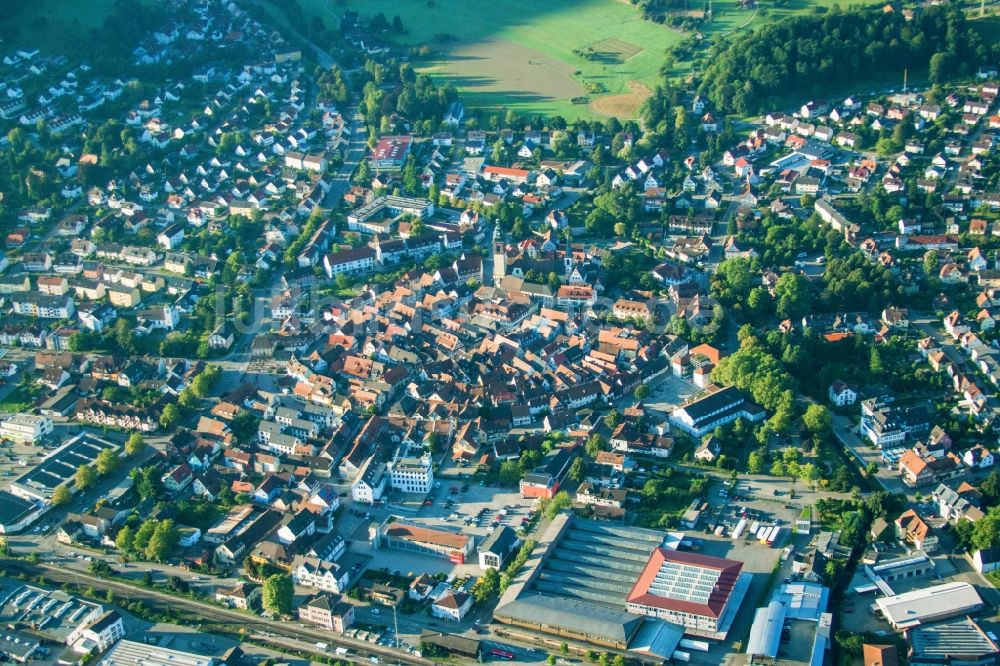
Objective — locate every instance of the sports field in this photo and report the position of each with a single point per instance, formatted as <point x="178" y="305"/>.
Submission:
<point x="575" y="58"/>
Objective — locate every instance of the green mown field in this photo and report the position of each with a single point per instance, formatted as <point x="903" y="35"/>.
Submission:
<point x="525" y="55"/>
<point x="520" y="53"/>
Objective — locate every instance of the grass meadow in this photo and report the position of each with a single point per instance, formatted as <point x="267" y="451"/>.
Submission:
<point x="526" y="55"/>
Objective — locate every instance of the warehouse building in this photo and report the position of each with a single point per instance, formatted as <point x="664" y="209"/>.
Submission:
<point x="930" y="604"/>
<point x="799" y="608"/>
<point x="58" y="469"/>
<point x="575" y="585"/>
<point x="959" y="641"/>
<point x="134" y="653"/>
<point x="17" y="513"/>
<point x="456" y="546"/>
<point x="453" y="643"/>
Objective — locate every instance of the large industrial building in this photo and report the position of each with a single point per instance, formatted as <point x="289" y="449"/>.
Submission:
<point x="957" y="642"/>
<point x="577" y="583"/>
<point x="59" y="467"/>
<point x="17" y="513"/>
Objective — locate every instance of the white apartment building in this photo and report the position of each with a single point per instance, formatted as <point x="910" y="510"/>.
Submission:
<point x="320" y="574"/>
<point x="25" y="428"/>
<point x="411" y="474"/>
<point x="43" y="306"/>
<point x="99" y="636"/>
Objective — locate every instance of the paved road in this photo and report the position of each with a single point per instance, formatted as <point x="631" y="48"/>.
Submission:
<point x="322" y="56"/>
<point x="846" y="430"/>
<point x="356" y="150"/>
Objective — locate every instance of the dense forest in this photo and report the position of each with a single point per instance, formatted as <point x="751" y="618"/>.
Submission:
<point x="755" y="71"/>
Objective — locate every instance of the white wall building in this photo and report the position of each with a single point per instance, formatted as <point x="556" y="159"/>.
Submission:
<point x="25" y="427"/>
<point x="410" y="474"/>
<point x="371" y="483"/>
<point x="322" y="575"/>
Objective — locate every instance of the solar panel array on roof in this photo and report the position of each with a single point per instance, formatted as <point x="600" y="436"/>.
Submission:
<point x="676" y="580"/>
<point x="60" y="466"/>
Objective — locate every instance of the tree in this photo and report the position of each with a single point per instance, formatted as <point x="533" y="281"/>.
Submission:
<point x="529" y="460"/>
<point x="594" y="445"/>
<point x="99" y="567"/>
<point x="871" y="469"/>
<point x="147" y="482"/>
<point x="487" y="585"/>
<point x="61" y="495"/>
<point x="560" y="502"/>
<point x="510" y="472"/>
<point x="817" y="419"/>
<point x="85" y="477"/>
<point x="792" y="292"/>
<point x="163" y="541"/>
<point x="178" y="584"/>
<point x="364" y="173"/>
<point x="106" y="462"/>
<point x="277" y="595"/>
<point x="134" y="444"/>
<point x="986" y="530"/>
<point x="143" y="535"/>
<point x="410" y="176"/>
<point x="125" y="540"/>
<point x="757" y="462"/>
<point x="499" y="152"/>
<point x="641" y="392"/>
<point x="170" y="415"/>
<point x="990" y="487"/>
<point x="560" y="143"/>
<point x="939" y="65"/>
<point x="187" y="399"/>
<point x="578" y="470"/>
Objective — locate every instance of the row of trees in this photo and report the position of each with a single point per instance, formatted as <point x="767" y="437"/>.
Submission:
<point x="107" y="461"/>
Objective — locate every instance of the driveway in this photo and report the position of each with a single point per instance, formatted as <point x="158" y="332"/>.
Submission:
<point x="846" y="430"/>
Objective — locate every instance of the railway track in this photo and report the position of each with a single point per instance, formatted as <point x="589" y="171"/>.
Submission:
<point x="211" y="613"/>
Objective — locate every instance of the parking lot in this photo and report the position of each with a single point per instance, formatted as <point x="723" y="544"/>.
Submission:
<point x="476" y="510"/>
<point x="15" y="459"/>
<point x="459" y="504"/>
<point x="757" y="503"/>
<point x="669" y="393"/>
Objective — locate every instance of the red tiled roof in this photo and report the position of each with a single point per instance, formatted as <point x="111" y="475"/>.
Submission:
<point x="729" y="571"/>
<point x="425" y="535"/>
